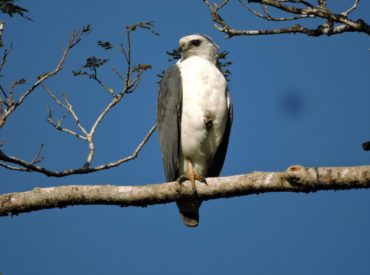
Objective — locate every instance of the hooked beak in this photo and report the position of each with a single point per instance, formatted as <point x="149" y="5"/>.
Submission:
<point x="182" y="47"/>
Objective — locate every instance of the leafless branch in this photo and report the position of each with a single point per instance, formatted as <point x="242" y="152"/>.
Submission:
<point x="295" y="179"/>
<point x="5" y="57"/>
<point x="74" y="115"/>
<point x="30" y="167"/>
<point x="38" y="157"/>
<point x="58" y="125"/>
<point x="266" y="14"/>
<point x="351" y="9"/>
<point x="120" y="76"/>
<point x="129" y="83"/>
<point x="334" y="23"/>
<point x="14" y="168"/>
<point x="54" y="97"/>
<point x="74" y="39"/>
<point x="128" y="58"/>
<point x="105" y="87"/>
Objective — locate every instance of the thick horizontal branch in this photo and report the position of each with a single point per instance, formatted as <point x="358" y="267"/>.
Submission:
<point x="295" y="179"/>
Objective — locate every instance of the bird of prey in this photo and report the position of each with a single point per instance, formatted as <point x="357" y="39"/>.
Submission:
<point x="194" y="117"/>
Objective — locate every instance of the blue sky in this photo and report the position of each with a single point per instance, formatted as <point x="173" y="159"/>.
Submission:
<point x="297" y="100"/>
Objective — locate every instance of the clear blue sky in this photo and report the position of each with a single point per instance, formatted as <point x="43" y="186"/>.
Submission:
<point x="297" y="100"/>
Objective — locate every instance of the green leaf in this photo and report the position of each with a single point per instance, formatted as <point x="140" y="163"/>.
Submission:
<point x="10" y="8"/>
<point x="173" y="54"/>
<point x="142" y="67"/>
<point x="222" y="64"/>
<point x="21" y="81"/>
<point x="105" y="45"/>
<point x="94" y="62"/>
<point x="143" y="25"/>
<point x="86" y="29"/>
<point x="78" y="73"/>
<point x="221" y="61"/>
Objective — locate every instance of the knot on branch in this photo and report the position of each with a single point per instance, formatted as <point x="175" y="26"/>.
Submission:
<point x="301" y="177"/>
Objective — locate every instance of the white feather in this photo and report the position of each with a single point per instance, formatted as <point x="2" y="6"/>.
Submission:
<point x="204" y="94"/>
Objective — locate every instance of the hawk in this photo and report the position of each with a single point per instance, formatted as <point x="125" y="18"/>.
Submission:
<point x="194" y="117"/>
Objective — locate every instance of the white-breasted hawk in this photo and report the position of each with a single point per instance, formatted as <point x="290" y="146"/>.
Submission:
<point x="194" y="117"/>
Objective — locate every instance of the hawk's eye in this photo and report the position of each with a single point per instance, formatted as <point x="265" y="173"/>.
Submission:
<point x="196" y="43"/>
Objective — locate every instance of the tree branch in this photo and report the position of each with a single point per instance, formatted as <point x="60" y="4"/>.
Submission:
<point x="129" y="84"/>
<point x="26" y="166"/>
<point x="295" y="179"/>
<point x="74" y="39"/>
<point x="351" y="9"/>
<point x="334" y="23"/>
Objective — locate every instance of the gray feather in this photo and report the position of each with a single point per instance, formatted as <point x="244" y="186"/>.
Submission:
<point x="169" y="107"/>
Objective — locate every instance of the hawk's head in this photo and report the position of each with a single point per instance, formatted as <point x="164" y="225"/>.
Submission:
<point x="198" y="45"/>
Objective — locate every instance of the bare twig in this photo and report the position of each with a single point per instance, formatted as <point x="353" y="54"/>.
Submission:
<point x="29" y="167"/>
<point x="69" y="108"/>
<point x="3" y="101"/>
<point x="94" y="76"/>
<point x="86" y="135"/>
<point x="351" y="9"/>
<point x="129" y="83"/>
<point x="74" y="115"/>
<point x="105" y="87"/>
<point x="335" y="23"/>
<point x="128" y="58"/>
<point x="74" y="39"/>
<point x="5" y="57"/>
<point x="14" y="168"/>
<point x="37" y="157"/>
<point x="266" y="14"/>
<point x="114" y="102"/>
<point x="58" y="125"/>
<point x="120" y="76"/>
<point x="295" y="179"/>
<point x="54" y="97"/>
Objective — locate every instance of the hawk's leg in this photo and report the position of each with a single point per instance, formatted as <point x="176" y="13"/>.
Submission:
<point x="192" y="176"/>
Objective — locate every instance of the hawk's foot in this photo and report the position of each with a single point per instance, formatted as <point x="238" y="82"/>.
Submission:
<point x="201" y="179"/>
<point x="182" y="178"/>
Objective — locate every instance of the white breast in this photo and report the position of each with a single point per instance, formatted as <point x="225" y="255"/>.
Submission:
<point x="204" y="95"/>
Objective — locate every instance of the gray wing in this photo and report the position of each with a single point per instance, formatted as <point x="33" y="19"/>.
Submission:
<point x="169" y="107"/>
<point x="218" y="161"/>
